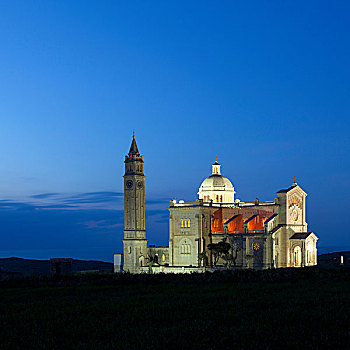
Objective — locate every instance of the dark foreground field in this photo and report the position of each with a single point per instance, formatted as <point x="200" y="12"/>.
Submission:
<point x="305" y="308"/>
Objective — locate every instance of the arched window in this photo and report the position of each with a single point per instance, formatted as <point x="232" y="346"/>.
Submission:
<point x="185" y="223"/>
<point x="309" y="254"/>
<point x="221" y="198"/>
<point x="217" y="199"/>
<point x="182" y="223"/>
<point x="163" y="257"/>
<point x="188" y="223"/>
<point x="185" y="248"/>
<point x="129" y="249"/>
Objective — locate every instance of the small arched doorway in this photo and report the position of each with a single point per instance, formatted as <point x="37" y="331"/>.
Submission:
<point x="310" y="255"/>
<point x="297" y="256"/>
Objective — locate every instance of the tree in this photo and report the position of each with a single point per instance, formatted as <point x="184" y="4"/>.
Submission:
<point x="151" y="259"/>
<point x="250" y="258"/>
<point x="235" y="248"/>
<point x="219" y="249"/>
<point x="228" y="258"/>
<point x="202" y="257"/>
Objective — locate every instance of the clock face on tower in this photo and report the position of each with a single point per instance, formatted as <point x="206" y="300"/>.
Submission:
<point x="139" y="184"/>
<point x="129" y="184"/>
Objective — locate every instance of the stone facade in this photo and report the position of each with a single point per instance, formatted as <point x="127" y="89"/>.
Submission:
<point x="261" y="234"/>
<point x="257" y="234"/>
<point x="159" y="255"/>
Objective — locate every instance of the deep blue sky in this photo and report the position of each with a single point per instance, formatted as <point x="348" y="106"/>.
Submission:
<point x="263" y="85"/>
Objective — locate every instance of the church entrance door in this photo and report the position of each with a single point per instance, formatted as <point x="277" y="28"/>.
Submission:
<point x="297" y="256"/>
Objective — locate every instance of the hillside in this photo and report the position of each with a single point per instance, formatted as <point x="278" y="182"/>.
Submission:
<point x="18" y="266"/>
<point x="242" y="309"/>
<point x="331" y="260"/>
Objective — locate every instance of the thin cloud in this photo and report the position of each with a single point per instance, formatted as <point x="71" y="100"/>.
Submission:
<point x="29" y="178"/>
<point x="100" y="224"/>
<point x="26" y="206"/>
<point x="94" y="197"/>
<point x="9" y="205"/>
<point x="164" y="201"/>
<point x="45" y="195"/>
<point x="57" y="206"/>
<point x="103" y="200"/>
<point x="71" y="201"/>
<point x="163" y="212"/>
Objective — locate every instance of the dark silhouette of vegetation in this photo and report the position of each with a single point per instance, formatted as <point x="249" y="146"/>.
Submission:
<point x="245" y="309"/>
<point x="203" y="259"/>
<point x="235" y="248"/>
<point x="220" y="249"/>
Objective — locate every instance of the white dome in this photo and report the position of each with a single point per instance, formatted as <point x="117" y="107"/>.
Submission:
<point x="216" y="187"/>
<point x="216" y="183"/>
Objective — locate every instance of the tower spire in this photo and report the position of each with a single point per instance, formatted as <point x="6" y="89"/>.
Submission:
<point x="134" y="151"/>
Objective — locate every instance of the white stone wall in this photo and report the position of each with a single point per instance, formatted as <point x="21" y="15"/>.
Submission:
<point x="292" y="219"/>
<point x="173" y="269"/>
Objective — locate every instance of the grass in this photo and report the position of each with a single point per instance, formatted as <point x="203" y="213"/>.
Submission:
<point x="305" y="308"/>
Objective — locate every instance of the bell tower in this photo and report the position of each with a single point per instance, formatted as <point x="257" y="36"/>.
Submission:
<point x="135" y="242"/>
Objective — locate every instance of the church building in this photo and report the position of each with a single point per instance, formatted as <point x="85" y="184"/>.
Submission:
<point x="216" y="231"/>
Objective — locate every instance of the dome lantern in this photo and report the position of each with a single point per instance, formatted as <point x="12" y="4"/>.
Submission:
<point x="216" y="168"/>
<point x="217" y="188"/>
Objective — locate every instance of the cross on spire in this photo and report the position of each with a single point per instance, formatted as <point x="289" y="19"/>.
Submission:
<point x="294" y="183"/>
